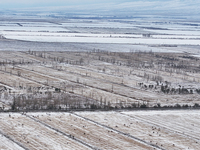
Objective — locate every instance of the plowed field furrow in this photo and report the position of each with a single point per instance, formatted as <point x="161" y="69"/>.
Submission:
<point x="143" y="130"/>
<point x="176" y="126"/>
<point x="71" y="78"/>
<point x="33" y="135"/>
<point x="122" y="133"/>
<point x="90" y="132"/>
<point x="8" y="143"/>
<point x="171" y="123"/>
<point x="68" y="135"/>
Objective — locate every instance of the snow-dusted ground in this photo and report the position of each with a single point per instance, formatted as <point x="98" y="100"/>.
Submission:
<point x="89" y="132"/>
<point x="163" y="33"/>
<point x="184" y="122"/>
<point x="6" y="144"/>
<point x="176" y="32"/>
<point x="116" y="84"/>
<point x="176" y="36"/>
<point x="105" y="40"/>
<point x="110" y="35"/>
<point x="167" y="129"/>
<point x="33" y="135"/>
<point x="98" y="24"/>
<point x="12" y="45"/>
<point x="172" y="129"/>
<point x="98" y="85"/>
<point x="33" y="29"/>
<point x="41" y="34"/>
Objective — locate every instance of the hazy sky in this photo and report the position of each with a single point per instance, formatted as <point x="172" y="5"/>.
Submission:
<point x="38" y="3"/>
<point x="41" y="3"/>
<point x="157" y="6"/>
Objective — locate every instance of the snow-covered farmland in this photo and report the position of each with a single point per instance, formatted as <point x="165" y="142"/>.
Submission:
<point x="89" y="132"/>
<point x="183" y="122"/>
<point x="7" y="144"/>
<point x="132" y="32"/>
<point x="33" y="29"/>
<point x="9" y="33"/>
<point x="97" y="24"/>
<point x="30" y="134"/>
<point x="104" y="40"/>
<point x="101" y="130"/>
<point x="111" y="79"/>
<point x="75" y="64"/>
<point x="166" y="129"/>
<point x="176" y="32"/>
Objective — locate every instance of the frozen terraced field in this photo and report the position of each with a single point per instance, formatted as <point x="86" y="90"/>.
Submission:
<point x="101" y="130"/>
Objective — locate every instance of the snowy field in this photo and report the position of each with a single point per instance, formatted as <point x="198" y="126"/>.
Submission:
<point x="105" y="78"/>
<point x="101" y="130"/>
<point x="104" y="40"/>
<point x="106" y="64"/>
<point x="114" y="35"/>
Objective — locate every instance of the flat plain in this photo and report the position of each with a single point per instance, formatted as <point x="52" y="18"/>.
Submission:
<point x="99" y="83"/>
<point x="101" y="130"/>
